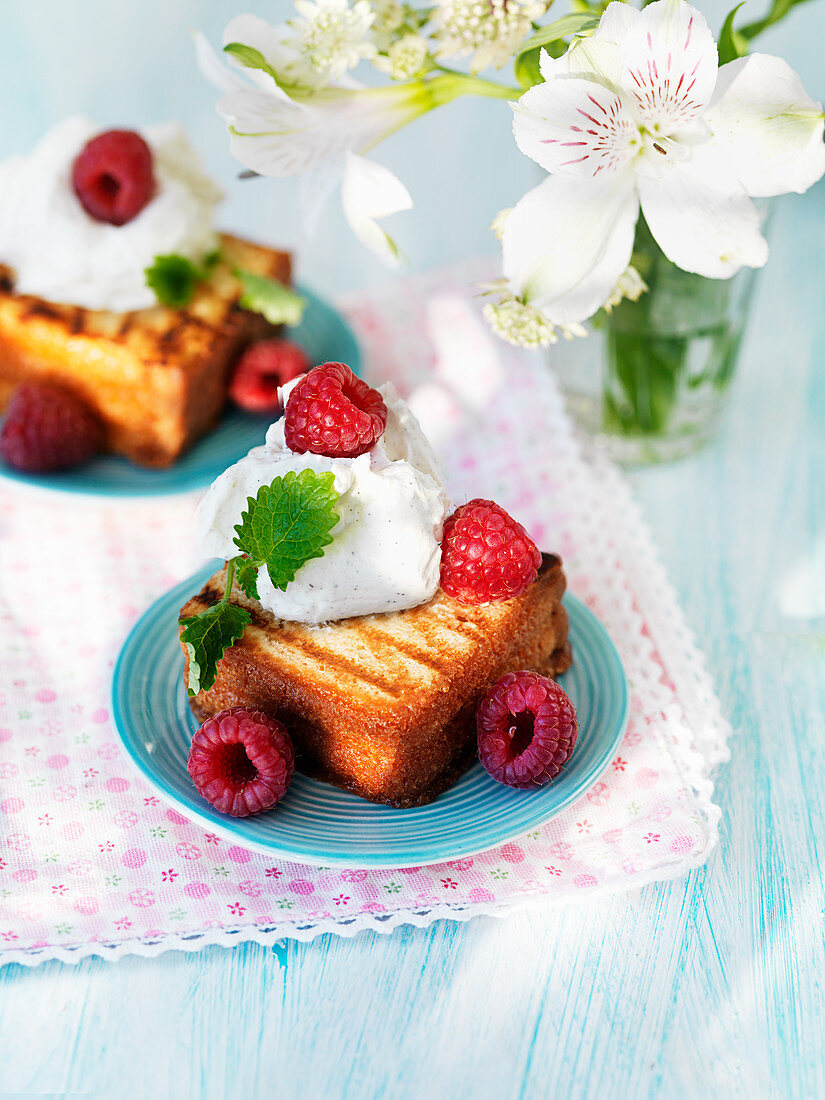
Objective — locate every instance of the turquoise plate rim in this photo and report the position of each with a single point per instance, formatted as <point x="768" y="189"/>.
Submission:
<point x="114" y="477"/>
<point x="546" y="803"/>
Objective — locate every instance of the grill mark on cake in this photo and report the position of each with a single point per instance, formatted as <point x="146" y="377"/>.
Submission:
<point x="126" y="324"/>
<point x="259" y="618"/>
<point x="436" y="639"/>
<point x="168" y="339"/>
<point x="36" y="307"/>
<point x="210" y="594"/>
<point x="332" y="663"/>
<point x="390" y="678"/>
<point x="326" y="658"/>
<point x="372" y="636"/>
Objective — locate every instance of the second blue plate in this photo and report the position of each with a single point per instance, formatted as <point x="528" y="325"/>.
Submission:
<point x="320" y="824"/>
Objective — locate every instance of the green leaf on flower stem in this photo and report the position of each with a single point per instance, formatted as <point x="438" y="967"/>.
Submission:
<point x="580" y="23"/>
<point x="279" y="304"/>
<point x="289" y="522"/>
<point x="527" y="70"/>
<point x="776" y="13"/>
<point x="207" y="637"/>
<point x="731" y="44"/>
<point x="527" y="66"/>
<point x="250" y="58"/>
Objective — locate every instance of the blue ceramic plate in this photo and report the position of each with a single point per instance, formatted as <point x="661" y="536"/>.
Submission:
<point x="324" y="335"/>
<point x="317" y="823"/>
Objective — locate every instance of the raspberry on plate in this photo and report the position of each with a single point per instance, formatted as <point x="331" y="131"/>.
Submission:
<point x="113" y="176"/>
<point x="527" y="730"/>
<point x="332" y="412"/>
<point x="486" y="555"/>
<point x="241" y="761"/>
<point x="262" y="368"/>
<point x="48" y="428"/>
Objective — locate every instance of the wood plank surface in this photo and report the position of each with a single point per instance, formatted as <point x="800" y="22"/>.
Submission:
<point x="706" y="987"/>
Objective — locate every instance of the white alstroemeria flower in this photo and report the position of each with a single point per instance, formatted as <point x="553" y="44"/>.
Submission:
<point x="333" y="37"/>
<point x="491" y="30"/>
<point x="318" y="133"/>
<point x="640" y="115"/>
<point x="370" y="191"/>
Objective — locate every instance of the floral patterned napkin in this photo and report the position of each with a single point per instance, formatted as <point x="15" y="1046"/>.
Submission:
<point x="92" y="862"/>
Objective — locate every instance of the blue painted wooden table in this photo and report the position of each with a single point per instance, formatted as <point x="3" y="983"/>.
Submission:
<point x="710" y="986"/>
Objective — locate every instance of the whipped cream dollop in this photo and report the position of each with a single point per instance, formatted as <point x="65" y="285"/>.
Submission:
<point x="385" y="553"/>
<point x="60" y="253"/>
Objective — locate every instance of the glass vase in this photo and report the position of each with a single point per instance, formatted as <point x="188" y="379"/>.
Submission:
<point x="653" y="381"/>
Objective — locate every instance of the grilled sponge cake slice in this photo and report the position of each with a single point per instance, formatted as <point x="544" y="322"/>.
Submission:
<point x="384" y="705"/>
<point x="157" y="378"/>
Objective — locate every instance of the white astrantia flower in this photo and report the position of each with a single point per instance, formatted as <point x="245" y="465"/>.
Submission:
<point x="521" y="324"/>
<point x="640" y="116"/>
<point x="389" y="18"/>
<point x="320" y="134"/>
<point x="405" y="58"/>
<point x="333" y="37"/>
<point x="490" y="30"/>
<point x="631" y="286"/>
<point x="500" y="221"/>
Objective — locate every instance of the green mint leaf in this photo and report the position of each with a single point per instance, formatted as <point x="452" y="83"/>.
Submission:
<point x="288" y="523"/>
<point x="174" y="279"/>
<point x="279" y="304"/>
<point x="207" y="637"/>
<point x="211" y="259"/>
<point x="246" y="574"/>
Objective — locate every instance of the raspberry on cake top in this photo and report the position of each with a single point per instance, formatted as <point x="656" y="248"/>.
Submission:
<point x="60" y="252"/>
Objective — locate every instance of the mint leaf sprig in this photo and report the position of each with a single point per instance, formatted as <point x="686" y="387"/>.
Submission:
<point x="279" y="304"/>
<point x="285" y="524"/>
<point x="174" y="278"/>
<point x="209" y="634"/>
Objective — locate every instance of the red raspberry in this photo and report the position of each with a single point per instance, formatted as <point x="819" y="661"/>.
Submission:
<point x="526" y="730"/>
<point x="486" y="555"/>
<point x="333" y="413"/>
<point x="262" y="368"/>
<point x="113" y="177"/>
<point x="48" y="428"/>
<point x="241" y="761"/>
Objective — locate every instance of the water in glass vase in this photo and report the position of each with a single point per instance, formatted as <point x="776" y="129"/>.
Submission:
<point x="657" y="379"/>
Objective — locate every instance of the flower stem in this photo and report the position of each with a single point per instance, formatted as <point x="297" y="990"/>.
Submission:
<point x="452" y="84"/>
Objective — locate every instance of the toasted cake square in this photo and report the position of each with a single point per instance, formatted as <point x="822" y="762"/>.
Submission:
<point x="384" y="705"/>
<point x="157" y="378"/>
